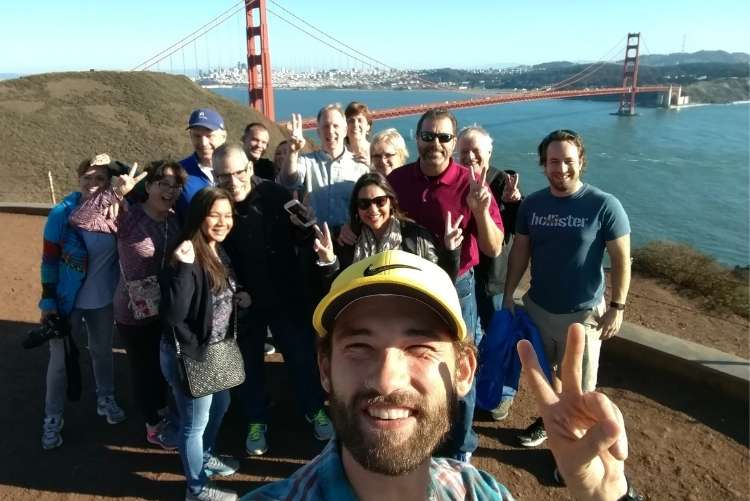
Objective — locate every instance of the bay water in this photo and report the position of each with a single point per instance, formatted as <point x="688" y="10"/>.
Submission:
<point x="682" y="175"/>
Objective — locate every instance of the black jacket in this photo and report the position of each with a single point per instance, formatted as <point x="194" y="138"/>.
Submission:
<point x="186" y="309"/>
<point x="415" y="239"/>
<point x="490" y="271"/>
<point x="263" y="247"/>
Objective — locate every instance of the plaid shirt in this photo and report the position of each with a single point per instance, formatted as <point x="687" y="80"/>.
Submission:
<point x="324" y="479"/>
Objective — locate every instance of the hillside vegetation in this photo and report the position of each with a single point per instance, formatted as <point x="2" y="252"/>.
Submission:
<point x="53" y="121"/>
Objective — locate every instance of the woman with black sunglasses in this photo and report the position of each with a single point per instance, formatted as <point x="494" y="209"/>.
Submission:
<point x="375" y="216"/>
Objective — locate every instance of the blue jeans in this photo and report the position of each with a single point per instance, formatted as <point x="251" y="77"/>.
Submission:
<point x="200" y="420"/>
<point x="462" y="437"/>
<point x="296" y="343"/>
<point x="98" y="325"/>
<point x="487" y="305"/>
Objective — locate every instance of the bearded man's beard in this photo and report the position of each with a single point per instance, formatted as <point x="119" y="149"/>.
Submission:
<point x="384" y="451"/>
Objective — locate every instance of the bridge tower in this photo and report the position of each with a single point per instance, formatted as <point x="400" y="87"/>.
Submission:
<point x="259" y="85"/>
<point x="630" y="75"/>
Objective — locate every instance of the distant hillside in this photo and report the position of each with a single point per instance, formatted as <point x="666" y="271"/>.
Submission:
<point x="724" y="90"/>
<point x="608" y="75"/>
<point x="703" y="56"/>
<point x="53" y="121"/>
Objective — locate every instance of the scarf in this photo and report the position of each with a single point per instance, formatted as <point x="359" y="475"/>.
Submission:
<point x="367" y="245"/>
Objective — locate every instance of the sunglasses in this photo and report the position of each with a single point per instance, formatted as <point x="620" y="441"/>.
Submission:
<point x="365" y="203"/>
<point x="429" y="137"/>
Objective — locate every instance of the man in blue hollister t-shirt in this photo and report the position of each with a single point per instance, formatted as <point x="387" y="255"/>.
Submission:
<point x="564" y="230"/>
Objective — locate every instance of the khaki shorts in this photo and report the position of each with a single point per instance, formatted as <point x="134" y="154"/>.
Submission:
<point x="554" y="331"/>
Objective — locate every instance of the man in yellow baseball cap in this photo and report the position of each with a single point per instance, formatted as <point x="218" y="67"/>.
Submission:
<point x="395" y="357"/>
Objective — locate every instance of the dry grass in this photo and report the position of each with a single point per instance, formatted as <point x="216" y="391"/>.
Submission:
<point x="55" y="120"/>
<point x="722" y="288"/>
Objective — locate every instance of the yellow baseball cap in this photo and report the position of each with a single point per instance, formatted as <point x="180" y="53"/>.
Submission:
<point x="397" y="273"/>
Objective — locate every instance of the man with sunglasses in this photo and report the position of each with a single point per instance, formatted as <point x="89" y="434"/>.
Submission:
<point x="207" y="132"/>
<point x="563" y="230"/>
<point x="428" y="191"/>
<point x="262" y="247"/>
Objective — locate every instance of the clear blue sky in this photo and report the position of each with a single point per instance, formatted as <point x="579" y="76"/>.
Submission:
<point x="56" y="35"/>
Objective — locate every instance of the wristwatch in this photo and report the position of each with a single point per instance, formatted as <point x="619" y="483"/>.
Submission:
<point x="617" y="306"/>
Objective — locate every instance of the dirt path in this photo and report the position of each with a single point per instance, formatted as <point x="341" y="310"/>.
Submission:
<point x="685" y="442"/>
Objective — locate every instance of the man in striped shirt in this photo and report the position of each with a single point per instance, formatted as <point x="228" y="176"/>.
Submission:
<point x="395" y="357"/>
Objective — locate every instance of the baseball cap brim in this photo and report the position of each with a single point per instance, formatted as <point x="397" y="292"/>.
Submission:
<point x="403" y="274"/>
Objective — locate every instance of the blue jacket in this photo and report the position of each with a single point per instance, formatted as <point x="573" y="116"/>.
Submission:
<point x="499" y="363"/>
<point x="195" y="182"/>
<point x="64" y="259"/>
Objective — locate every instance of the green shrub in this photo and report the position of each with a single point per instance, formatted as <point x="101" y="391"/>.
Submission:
<point x="687" y="268"/>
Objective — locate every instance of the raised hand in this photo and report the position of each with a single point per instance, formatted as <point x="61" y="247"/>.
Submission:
<point x="586" y="431"/>
<point x="297" y="140"/>
<point x="125" y="183"/>
<point x="479" y="197"/>
<point x="511" y="193"/>
<point x="324" y="244"/>
<point x="453" y="233"/>
<point x="185" y="253"/>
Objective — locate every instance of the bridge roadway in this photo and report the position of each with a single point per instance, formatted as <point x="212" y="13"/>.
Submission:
<point x="510" y="97"/>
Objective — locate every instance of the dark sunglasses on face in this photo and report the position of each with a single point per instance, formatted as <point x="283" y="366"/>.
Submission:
<point x="365" y="203"/>
<point x="429" y="137"/>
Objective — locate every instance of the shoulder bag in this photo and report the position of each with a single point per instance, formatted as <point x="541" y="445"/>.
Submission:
<point x="220" y="368"/>
<point x="144" y="295"/>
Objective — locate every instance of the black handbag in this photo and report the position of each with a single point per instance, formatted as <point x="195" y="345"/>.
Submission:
<point x="221" y="367"/>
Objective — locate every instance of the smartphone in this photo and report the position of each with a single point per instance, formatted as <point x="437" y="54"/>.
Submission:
<point x="296" y="208"/>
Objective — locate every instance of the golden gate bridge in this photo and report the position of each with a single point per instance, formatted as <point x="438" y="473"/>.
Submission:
<point x="260" y="85"/>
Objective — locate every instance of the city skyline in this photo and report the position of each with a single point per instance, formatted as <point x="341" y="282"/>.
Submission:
<point x="79" y="35"/>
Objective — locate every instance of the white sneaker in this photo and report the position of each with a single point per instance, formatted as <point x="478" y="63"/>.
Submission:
<point x="51" y="437"/>
<point x="107" y="406"/>
<point x="211" y="493"/>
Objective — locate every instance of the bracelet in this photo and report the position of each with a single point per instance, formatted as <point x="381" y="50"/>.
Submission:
<point x="617" y="306"/>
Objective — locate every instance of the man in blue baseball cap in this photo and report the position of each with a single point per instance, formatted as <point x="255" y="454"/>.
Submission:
<point x="207" y="132"/>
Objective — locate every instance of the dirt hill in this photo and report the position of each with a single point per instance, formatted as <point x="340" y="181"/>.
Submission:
<point x="53" y="121"/>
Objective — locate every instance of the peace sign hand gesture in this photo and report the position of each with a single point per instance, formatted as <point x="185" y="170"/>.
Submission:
<point x="511" y="193"/>
<point x="324" y="244"/>
<point x="297" y="140"/>
<point x="125" y="183"/>
<point x="586" y="431"/>
<point x="479" y="197"/>
<point x="453" y="233"/>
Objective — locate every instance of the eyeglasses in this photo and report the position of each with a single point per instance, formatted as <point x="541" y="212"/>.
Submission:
<point x="227" y="176"/>
<point x="429" y="137"/>
<point x="365" y="203"/>
<point x="166" y="186"/>
<point x="386" y="156"/>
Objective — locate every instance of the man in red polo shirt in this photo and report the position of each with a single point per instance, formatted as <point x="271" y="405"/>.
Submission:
<point x="435" y="191"/>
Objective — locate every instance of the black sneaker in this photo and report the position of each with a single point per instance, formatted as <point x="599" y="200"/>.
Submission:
<point x="534" y="434"/>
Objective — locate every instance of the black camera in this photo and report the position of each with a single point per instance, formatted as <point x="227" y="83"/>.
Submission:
<point x="52" y="326"/>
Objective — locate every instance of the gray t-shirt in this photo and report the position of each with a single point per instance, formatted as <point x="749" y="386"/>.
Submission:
<point x="102" y="272"/>
<point x="568" y="236"/>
